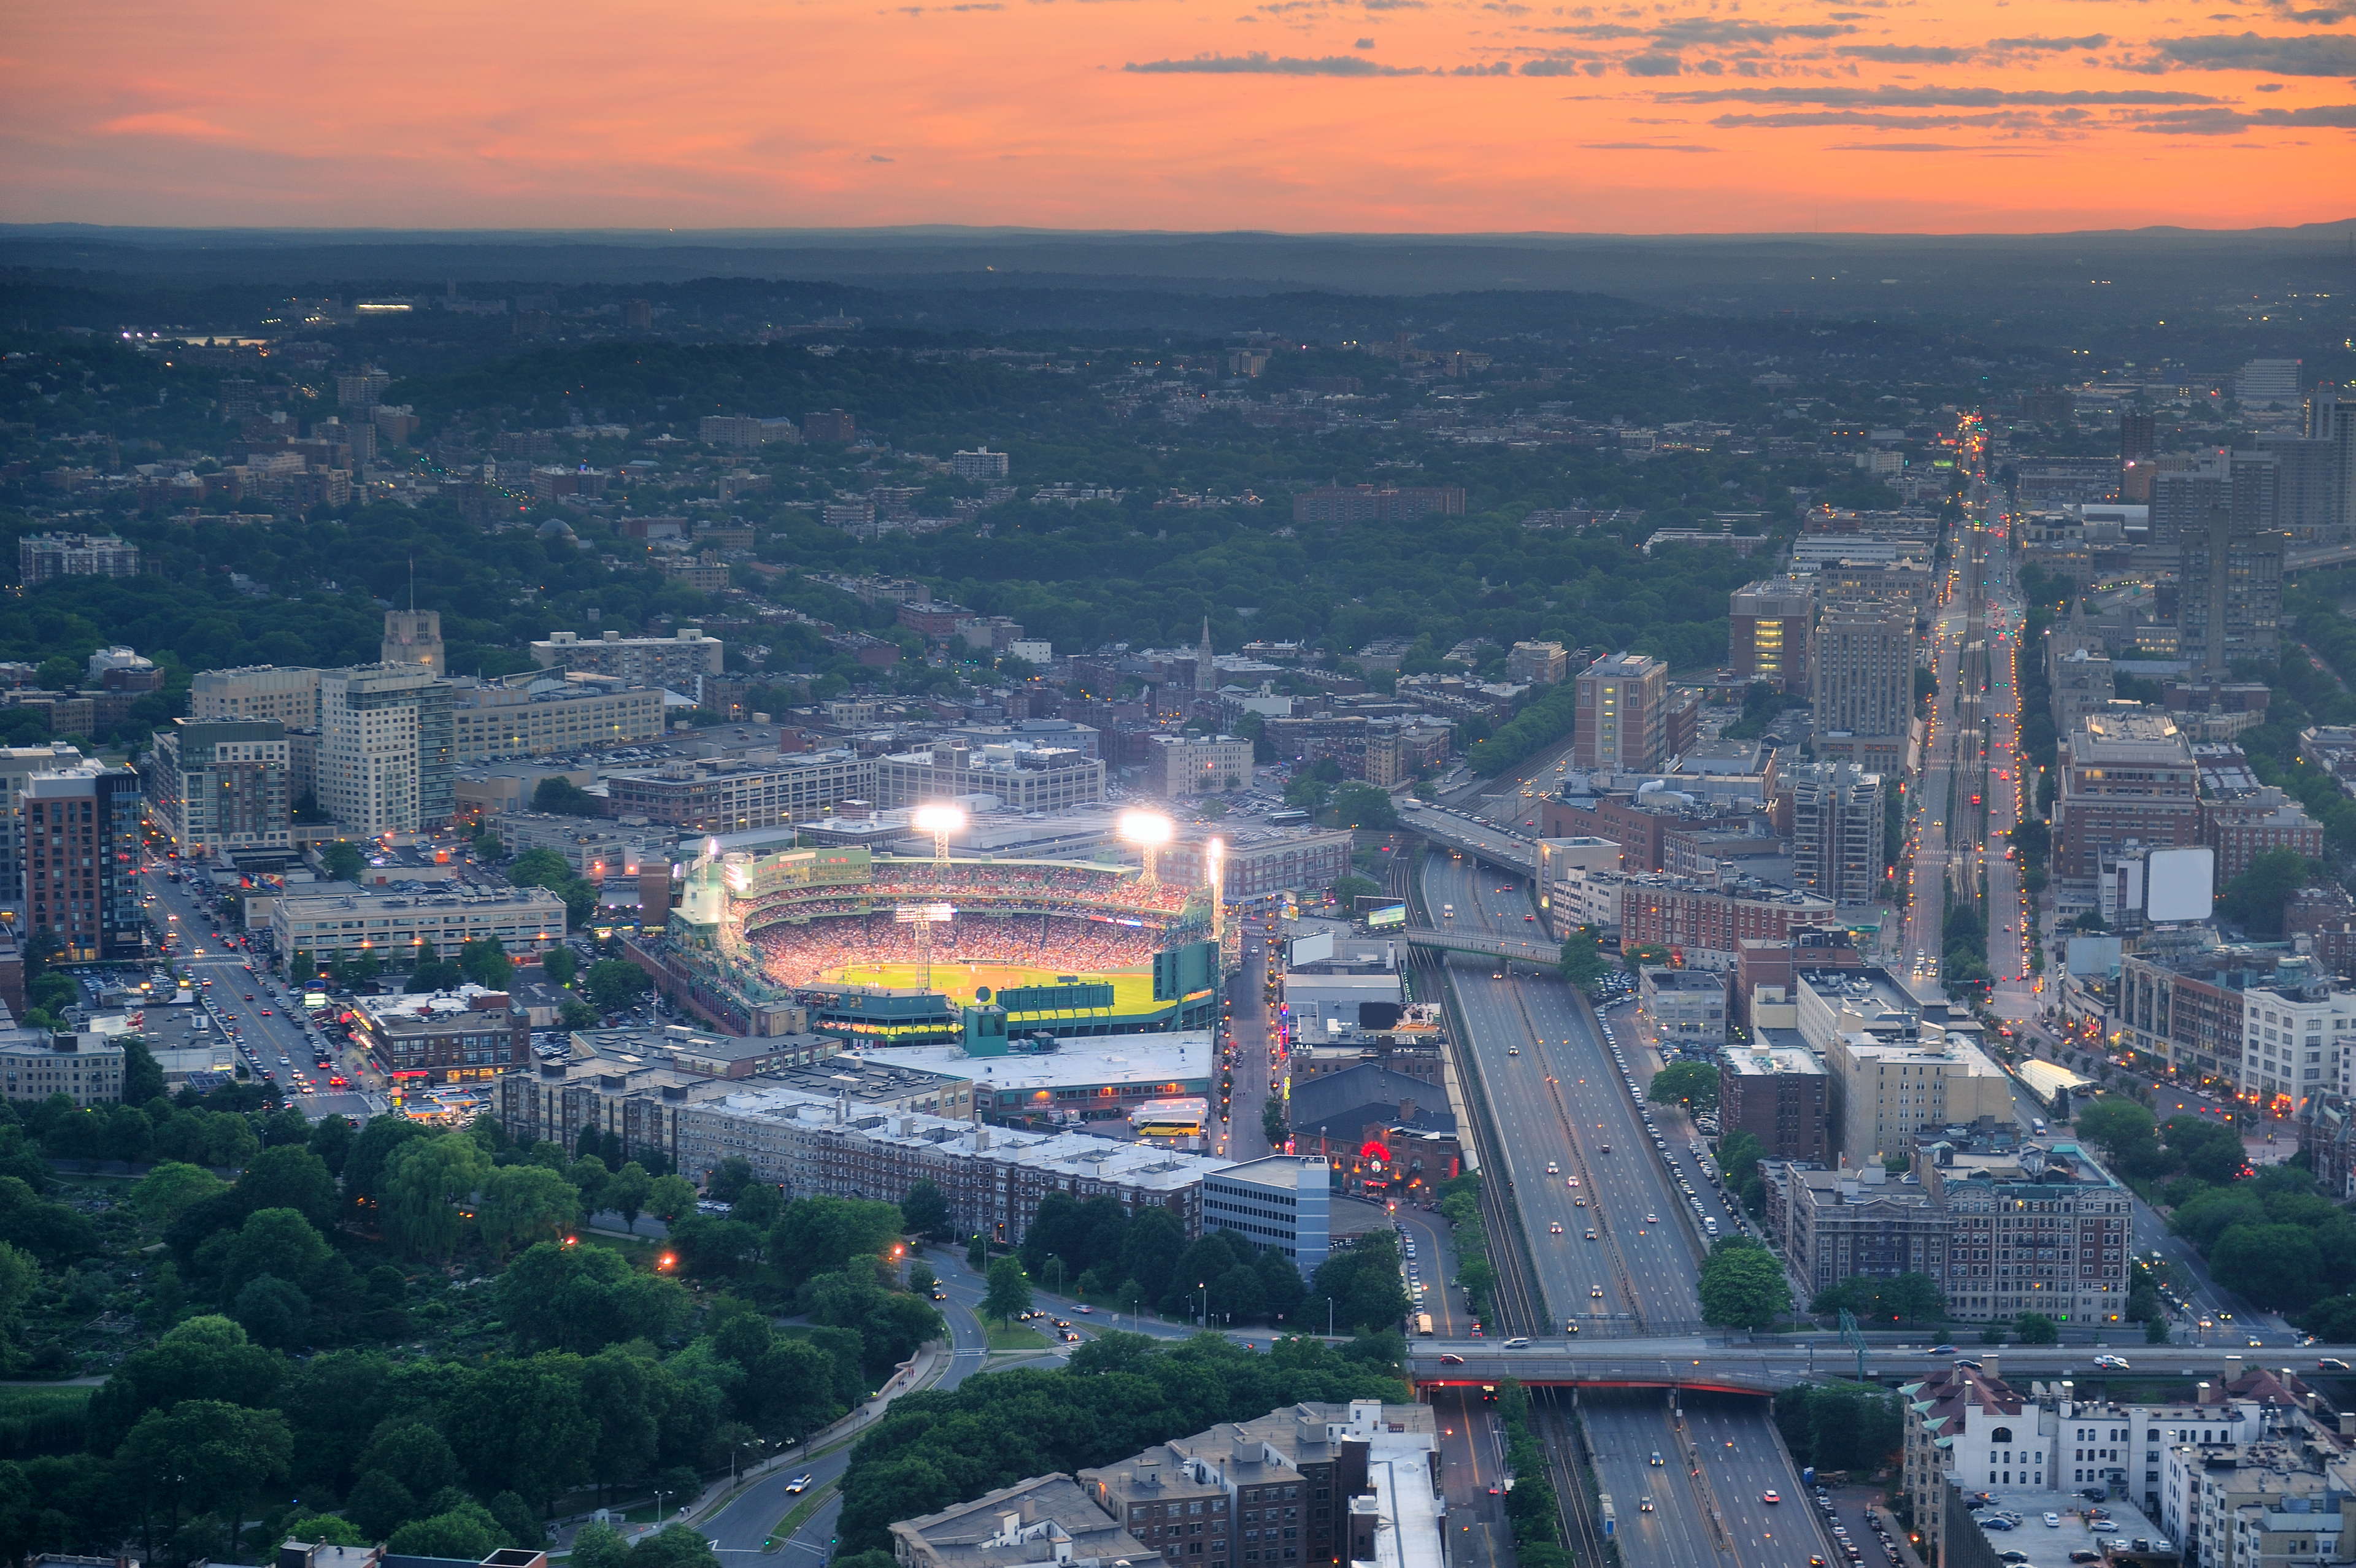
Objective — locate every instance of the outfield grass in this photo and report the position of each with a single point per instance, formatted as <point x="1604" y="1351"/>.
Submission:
<point x="1132" y="989"/>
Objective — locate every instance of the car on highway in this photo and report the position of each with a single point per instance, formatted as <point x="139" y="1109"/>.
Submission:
<point x="1940" y="1350"/>
<point x="2111" y="1363"/>
<point x="1771" y="1495"/>
<point x="1652" y="1218"/>
<point x="1555" y="1228"/>
<point x="798" y="1484"/>
<point x="1553" y="1169"/>
<point x="1519" y="1342"/>
<point x="2330" y="1364"/>
<point x="1451" y="1359"/>
<point x="1644" y="1507"/>
<point x="1595" y="1292"/>
<point x="1590" y="1235"/>
<point x="1657" y="1461"/>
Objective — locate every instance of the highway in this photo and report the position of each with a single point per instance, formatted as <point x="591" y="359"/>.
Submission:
<point x="1556" y="1096"/>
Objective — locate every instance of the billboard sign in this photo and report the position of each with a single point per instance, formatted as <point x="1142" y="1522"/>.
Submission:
<point x="2180" y="884"/>
<point x="1313" y="949"/>
<point x="1389" y="916"/>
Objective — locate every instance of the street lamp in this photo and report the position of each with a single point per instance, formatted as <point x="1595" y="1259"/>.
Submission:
<point x="1204" y="1286"/>
<point x="1149" y="830"/>
<point x="940" y="821"/>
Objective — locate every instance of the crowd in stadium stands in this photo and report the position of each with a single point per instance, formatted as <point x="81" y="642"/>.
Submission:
<point x="1067" y="885"/>
<point x="799" y="954"/>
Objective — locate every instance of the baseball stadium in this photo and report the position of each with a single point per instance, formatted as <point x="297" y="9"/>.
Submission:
<point x="904" y="951"/>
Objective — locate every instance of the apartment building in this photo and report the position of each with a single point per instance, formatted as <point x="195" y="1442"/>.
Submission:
<point x="1886" y="1090"/>
<point x="1021" y="776"/>
<point x="727" y="795"/>
<point x="18" y="764"/>
<point x="1300" y="1479"/>
<point x="339" y="922"/>
<point x="2244" y="826"/>
<point x="34" y="1064"/>
<point x="1861" y="682"/>
<point x="82" y="841"/>
<point x="994" y="1178"/>
<point x="2125" y="778"/>
<point x="1964" y="1424"/>
<point x="1261" y="860"/>
<point x="217" y="786"/>
<point x="539" y="715"/>
<point x="2041" y="1227"/>
<point x="1835" y="1225"/>
<point x="1704" y="923"/>
<point x="1838" y="818"/>
<point x="676" y="663"/>
<point x="45" y="558"/>
<point x="1780" y="1096"/>
<point x="1621" y="722"/>
<point x="1199" y="764"/>
<point x="282" y="692"/>
<point x="1538" y="662"/>
<point x="1047" y="1519"/>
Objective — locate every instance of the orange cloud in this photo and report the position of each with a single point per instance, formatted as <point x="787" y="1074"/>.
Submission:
<point x="165" y="125"/>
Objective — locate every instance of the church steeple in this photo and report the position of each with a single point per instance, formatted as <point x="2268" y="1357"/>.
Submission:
<point x="1206" y="672"/>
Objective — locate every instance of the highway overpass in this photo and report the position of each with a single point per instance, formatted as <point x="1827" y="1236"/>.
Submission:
<point x="1521" y="950"/>
<point x="1765" y="1367"/>
<point x="1470" y="836"/>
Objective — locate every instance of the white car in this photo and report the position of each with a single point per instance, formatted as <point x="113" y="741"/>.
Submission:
<point x="2111" y="1363"/>
<point x="2052" y="1521"/>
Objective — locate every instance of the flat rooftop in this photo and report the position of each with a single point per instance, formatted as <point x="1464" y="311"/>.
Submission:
<point x="1126" y="1060"/>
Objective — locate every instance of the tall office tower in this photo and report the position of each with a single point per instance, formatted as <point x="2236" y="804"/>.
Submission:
<point x="82" y="860"/>
<point x="1767" y="631"/>
<point x="413" y="637"/>
<point x="1838" y="813"/>
<point x="386" y="750"/>
<point x="1622" y="719"/>
<point x="2184" y="499"/>
<point x="2229" y="584"/>
<point x="1862" y="682"/>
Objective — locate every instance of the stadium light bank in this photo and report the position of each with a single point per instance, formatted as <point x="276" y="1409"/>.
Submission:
<point x="1149" y="830"/>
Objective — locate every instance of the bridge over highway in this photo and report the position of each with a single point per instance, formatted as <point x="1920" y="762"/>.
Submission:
<point x="1472" y="836"/>
<point x="1520" y="950"/>
<point x="1763" y="1367"/>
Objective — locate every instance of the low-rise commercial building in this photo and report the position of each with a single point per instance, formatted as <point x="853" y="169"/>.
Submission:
<point x="1688" y="1007"/>
<point x="339" y="920"/>
<point x="724" y="794"/>
<point x="2182" y="1007"/>
<point x="540" y="714"/>
<point x="1021" y="776"/>
<point x="1284" y="1202"/>
<point x="443" y="1036"/>
<point x="594" y="847"/>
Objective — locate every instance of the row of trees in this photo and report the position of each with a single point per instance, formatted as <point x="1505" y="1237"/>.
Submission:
<point x="1096" y="1247"/>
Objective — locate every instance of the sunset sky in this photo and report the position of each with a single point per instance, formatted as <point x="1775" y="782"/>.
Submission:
<point x="1297" y="115"/>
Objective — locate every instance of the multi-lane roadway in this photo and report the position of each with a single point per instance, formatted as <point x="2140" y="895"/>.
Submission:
<point x="1556" y="1096"/>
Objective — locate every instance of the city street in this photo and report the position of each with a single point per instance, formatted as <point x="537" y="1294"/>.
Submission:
<point x="257" y="1013"/>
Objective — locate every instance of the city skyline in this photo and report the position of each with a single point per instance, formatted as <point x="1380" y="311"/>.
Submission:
<point x="1299" y="115"/>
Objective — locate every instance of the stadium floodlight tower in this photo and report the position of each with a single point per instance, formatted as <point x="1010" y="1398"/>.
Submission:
<point x="941" y="820"/>
<point x="1215" y="859"/>
<point x="1149" y="830"/>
